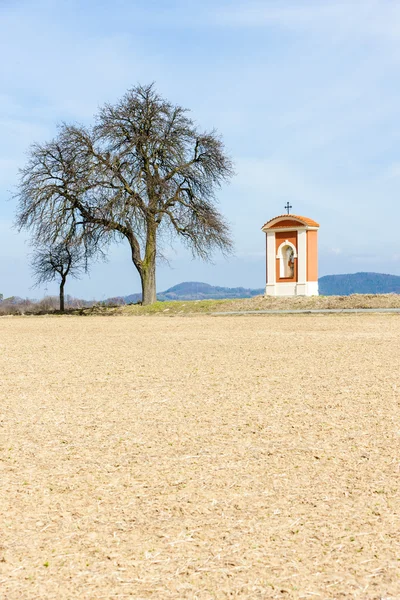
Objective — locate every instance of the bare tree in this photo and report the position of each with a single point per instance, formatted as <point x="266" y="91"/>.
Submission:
<point x="142" y="172"/>
<point x="59" y="261"/>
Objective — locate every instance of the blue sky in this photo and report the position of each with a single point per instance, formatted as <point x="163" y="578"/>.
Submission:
<point x="306" y="95"/>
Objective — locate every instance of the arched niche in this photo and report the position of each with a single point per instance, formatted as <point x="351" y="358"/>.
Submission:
<point x="286" y="254"/>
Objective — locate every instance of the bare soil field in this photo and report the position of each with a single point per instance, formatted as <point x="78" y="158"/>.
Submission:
<point x="200" y="458"/>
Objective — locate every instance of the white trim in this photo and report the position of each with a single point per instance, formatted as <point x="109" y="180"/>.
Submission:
<point x="271" y="264"/>
<point x="286" y="243"/>
<point x="301" y="289"/>
<point x="294" y="228"/>
<point x="302" y="260"/>
<point x="312" y="288"/>
<point x="270" y="289"/>
<point x="286" y="289"/>
<point x="292" y="289"/>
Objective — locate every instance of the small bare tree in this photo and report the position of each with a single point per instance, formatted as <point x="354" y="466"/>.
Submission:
<point x="58" y="262"/>
<point x="142" y="172"/>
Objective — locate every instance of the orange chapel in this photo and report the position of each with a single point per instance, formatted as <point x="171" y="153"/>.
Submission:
<point x="292" y="256"/>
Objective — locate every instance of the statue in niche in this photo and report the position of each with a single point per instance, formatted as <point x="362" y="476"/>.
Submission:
<point x="289" y="270"/>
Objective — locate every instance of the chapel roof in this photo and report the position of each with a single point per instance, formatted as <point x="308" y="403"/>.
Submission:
<point x="289" y="221"/>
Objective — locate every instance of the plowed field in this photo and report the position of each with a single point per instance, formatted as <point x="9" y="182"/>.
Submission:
<point x="200" y="458"/>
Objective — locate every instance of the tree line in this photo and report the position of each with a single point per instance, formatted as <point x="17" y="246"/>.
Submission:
<point x="142" y="172"/>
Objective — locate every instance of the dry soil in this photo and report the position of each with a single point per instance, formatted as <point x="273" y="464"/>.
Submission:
<point x="201" y="458"/>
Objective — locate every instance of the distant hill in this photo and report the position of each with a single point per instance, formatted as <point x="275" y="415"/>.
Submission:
<point x="195" y="290"/>
<point x="359" y="283"/>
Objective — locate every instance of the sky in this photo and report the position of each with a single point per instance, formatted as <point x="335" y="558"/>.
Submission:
<point x="306" y="95"/>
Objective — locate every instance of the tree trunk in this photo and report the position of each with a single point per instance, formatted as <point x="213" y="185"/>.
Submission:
<point x="146" y="267"/>
<point x="148" y="279"/>
<point x="148" y="271"/>
<point x="62" y="284"/>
